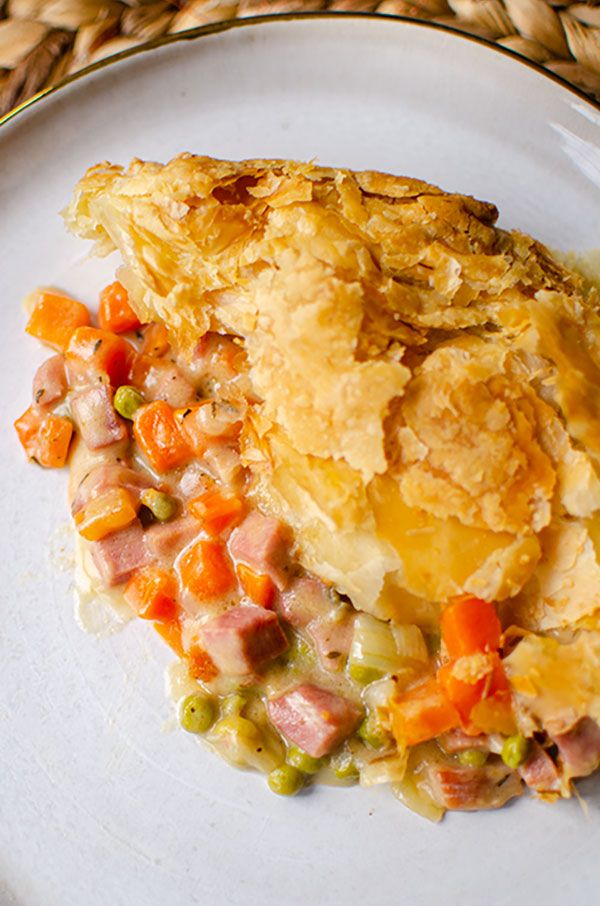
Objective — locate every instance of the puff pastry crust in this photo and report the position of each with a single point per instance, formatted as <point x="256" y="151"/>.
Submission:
<point x="427" y="384"/>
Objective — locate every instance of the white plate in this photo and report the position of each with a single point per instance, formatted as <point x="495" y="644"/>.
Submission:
<point x="98" y="806"/>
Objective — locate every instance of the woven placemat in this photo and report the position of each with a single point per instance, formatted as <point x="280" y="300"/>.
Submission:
<point x="41" y="41"/>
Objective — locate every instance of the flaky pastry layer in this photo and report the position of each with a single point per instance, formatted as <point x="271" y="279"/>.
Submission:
<point x="427" y="385"/>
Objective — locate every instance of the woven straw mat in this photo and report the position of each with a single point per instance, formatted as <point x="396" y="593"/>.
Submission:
<point x="41" y="41"/>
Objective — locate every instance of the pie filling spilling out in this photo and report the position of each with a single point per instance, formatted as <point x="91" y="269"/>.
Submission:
<point x="336" y="435"/>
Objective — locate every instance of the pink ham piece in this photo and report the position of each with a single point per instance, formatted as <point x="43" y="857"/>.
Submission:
<point x="50" y="381"/>
<point x="103" y="478"/>
<point x="262" y="543"/>
<point x="243" y="639"/>
<point x="159" y="379"/>
<point x="165" y="540"/>
<point x="469" y="789"/>
<point x="96" y="419"/>
<point x="455" y="741"/>
<point x="303" y="601"/>
<point x="332" y="638"/>
<point x="579" y="748"/>
<point x="314" y="719"/>
<point x="119" y="554"/>
<point x="539" y="771"/>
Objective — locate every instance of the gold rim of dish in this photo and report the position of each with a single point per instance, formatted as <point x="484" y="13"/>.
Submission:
<point x="217" y="27"/>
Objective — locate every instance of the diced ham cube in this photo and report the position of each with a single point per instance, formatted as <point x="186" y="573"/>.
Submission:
<point x="107" y="476"/>
<point x="303" y="601"/>
<point x="579" y="748"/>
<point x="160" y="379"/>
<point x="332" y="638"/>
<point x="468" y="789"/>
<point x="539" y="771"/>
<point x="96" y="419"/>
<point x="455" y="741"/>
<point x="119" y="554"/>
<point x="243" y="639"/>
<point x="262" y="543"/>
<point x="50" y="381"/>
<point x="165" y="540"/>
<point x="314" y="719"/>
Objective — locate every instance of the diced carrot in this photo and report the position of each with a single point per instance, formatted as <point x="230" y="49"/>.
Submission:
<point x="45" y="437"/>
<point x="91" y="350"/>
<point x="201" y="665"/>
<point x="188" y="425"/>
<point x="171" y="633"/>
<point x="470" y="625"/>
<point x="53" y="441"/>
<point x="465" y="695"/>
<point x="205" y="570"/>
<point x="156" y="340"/>
<point x="207" y="422"/>
<point x="152" y="593"/>
<point x="140" y="366"/>
<point x="159" y="437"/>
<point x="27" y="427"/>
<point x="115" y="313"/>
<point x="215" y="511"/>
<point x="259" y="587"/>
<point x="422" y="713"/>
<point x="55" y="317"/>
<point x="105" y="514"/>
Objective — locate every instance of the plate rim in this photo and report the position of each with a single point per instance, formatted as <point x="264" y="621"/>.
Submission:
<point x="212" y="28"/>
<point x="311" y="811"/>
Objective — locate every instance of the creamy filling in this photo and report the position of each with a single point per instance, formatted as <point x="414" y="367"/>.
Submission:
<point x="293" y="673"/>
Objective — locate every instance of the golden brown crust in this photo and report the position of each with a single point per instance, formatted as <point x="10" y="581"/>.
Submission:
<point x="429" y="385"/>
<point x="274" y="234"/>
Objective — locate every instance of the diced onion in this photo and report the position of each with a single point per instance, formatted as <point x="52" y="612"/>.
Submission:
<point x="416" y="799"/>
<point x="386" y="769"/>
<point x="378" y="694"/>
<point x="379" y="649"/>
<point x="410" y="642"/>
<point x="373" y="651"/>
<point x="218" y="417"/>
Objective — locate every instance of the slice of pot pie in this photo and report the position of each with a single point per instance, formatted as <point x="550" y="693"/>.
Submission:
<point x="337" y="437"/>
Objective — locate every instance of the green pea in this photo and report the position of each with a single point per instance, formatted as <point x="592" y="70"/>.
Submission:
<point x="127" y="401"/>
<point x="344" y="767"/>
<point x="364" y="675"/>
<point x="286" y="780"/>
<point x="472" y="758"/>
<point x="162" y="506"/>
<point x="197" y="713"/>
<point x="514" y="751"/>
<point x="372" y="733"/>
<point x="303" y="761"/>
